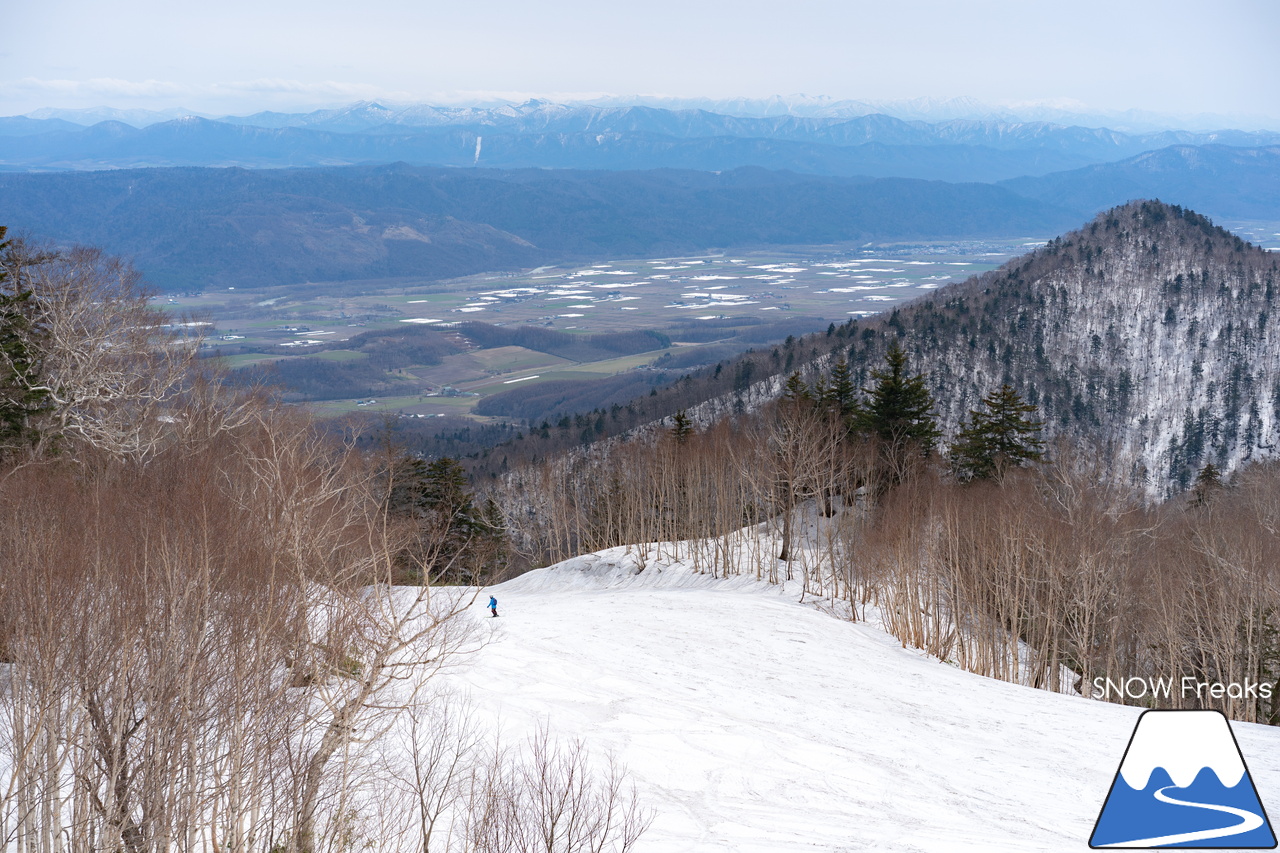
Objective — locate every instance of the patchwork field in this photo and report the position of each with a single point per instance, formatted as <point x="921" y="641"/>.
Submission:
<point x="796" y="290"/>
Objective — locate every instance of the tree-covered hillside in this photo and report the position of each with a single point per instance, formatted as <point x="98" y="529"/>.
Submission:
<point x="196" y="228"/>
<point x="1148" y="334"/>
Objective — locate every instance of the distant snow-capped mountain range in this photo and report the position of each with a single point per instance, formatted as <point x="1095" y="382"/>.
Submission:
<point x="801" y="106"/>
<point x="812" y="136"/>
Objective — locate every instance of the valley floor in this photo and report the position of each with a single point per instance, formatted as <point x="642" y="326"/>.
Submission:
<point x="752" y="723"/>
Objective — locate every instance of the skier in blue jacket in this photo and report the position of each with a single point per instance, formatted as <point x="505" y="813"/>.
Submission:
<point x="493" y="605"/>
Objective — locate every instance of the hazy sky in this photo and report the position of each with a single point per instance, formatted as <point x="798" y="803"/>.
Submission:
<point x="235" y="56"/>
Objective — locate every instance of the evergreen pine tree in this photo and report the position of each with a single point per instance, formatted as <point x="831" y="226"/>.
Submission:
<point x="796" y="389"/>
<point x="21" y="400"/>
<point x="1208" y="484"/>
<point x="998" y="436"/>
<point x="899" y="409"/>
<point x="841" y="392"/>
<point x="458" y="541"/>
<point x="681" y="427"/>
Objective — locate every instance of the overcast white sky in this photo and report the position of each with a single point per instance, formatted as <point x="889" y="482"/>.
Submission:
<point x="240" y="56"/>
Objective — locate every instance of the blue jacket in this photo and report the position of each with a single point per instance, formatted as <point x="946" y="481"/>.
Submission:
<point x="493" y="602"/>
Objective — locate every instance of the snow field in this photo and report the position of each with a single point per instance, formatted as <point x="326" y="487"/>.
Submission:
<point x="750" y="722"/>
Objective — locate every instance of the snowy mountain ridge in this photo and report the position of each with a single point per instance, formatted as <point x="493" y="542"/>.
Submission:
<point x="1147" y="335"/>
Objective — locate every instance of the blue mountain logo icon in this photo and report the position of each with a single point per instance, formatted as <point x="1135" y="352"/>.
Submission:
<point x="1183" y="783"/>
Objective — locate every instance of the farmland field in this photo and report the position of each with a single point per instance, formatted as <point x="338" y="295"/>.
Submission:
<point x="777" y="292"/>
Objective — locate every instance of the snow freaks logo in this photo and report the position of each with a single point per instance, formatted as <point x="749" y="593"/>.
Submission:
<point x="1183" y="783"/>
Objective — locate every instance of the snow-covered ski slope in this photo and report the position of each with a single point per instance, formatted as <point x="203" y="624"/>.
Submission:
<point x="753" y="723"/>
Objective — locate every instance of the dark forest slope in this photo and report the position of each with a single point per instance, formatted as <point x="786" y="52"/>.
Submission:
<point x="193" y="228"/>
<point x="1217" y="180"/>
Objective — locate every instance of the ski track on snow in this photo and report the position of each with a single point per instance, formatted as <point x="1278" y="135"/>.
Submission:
<point x="756" y="725"/>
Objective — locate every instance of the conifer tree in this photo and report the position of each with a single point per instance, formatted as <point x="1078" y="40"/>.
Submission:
<point x="899" y="410"/>
<point x="1208" y="484"/>
<point x="21" y="398"/>
<point x="841" y="393"/>
<point x="460" y="541"/>
<point x="796" y="389"/>
<point x="681" y="427"/>
<point x="999" y="436"/>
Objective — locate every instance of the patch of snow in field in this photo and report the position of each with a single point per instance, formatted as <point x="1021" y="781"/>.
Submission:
<point x="514" y="292"/>
<point x="878" y="298"/>
<point x="571" y="315"/>
<point x="521" y="379"/>
<point x="419" y="320"/>
<point x="416" y="301"/>
<point x="715" y="278"/>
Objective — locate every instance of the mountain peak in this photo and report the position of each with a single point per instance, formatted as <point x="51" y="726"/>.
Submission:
<point x="1147" y="334"/>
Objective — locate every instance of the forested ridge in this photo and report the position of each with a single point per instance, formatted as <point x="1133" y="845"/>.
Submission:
<point x="191" y="228"/>
<point x="1147" y="335"/>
